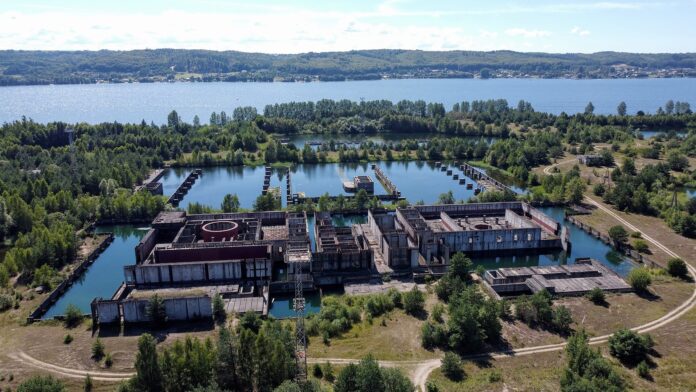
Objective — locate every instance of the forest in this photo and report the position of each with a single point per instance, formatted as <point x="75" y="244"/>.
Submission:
<point x="19" y="67"/>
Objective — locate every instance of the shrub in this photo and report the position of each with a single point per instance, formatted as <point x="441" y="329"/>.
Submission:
<point x="88" y="384"/>
<point x="414" y="301"/>
<point x="5" y="302"/>
<point x="677" y="267"/>
<point x="597" y="296"/>
<point x="97" y="350"/>
<point x="562" y="319"/>
<point x="639" y="279"/>
<point x="599" y="189"/>
<point x="641" y="246"/>
<point x="452" y="366"/>
<point x="156" y="311"/>
<point x="67" y="339"/>
<point x="317" y="371"/>
<point x="629" y="346"/>
<point x="431" y="387"/>
<point x="250" y="321"/>
<point x="328" y="372"/>
<point x="643" y="370"/>
<point x="73" y="316"/>
<point x="437" y="312"/>
<point x="108" y="360"/>
<point x="396" y="297"/>
<point x="41" y="384"/>
<point x="636" y="234"/>
<point x="219" y="308"/>
<point x="618" y="234"/>
<point x="495" y="376"/>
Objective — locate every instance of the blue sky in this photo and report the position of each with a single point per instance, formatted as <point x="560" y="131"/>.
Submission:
<point x="301" y="26"/>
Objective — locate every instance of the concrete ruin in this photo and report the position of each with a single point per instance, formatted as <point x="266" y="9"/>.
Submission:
<point x="559" y="280"/>
<point x="429" y="235"/>
<point x="187" y="259"/>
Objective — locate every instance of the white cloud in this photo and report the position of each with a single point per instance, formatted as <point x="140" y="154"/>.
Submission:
<point x="578" y="31"/>
<point x="278" y="31"/>
<point x="519" y="32"/>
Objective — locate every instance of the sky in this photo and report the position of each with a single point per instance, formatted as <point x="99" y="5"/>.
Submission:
<point x="296" y="26"/>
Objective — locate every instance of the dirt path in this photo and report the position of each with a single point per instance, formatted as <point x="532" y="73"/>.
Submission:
<point x="547" y="169"/>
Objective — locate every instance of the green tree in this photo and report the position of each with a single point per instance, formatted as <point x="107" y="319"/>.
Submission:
<point x="41" y="384"/>
<point x="589" y="109"/>
<point x="97" y="350"/>
<point x="618" y="234"/>
<point x="562" y="319"/>
<point x="226" y="365"/>
<point x="219" y="308"/>
<point x="460" y="266"/>
<point x="361" y="199"/>
<point x="446" y="198"/>
<point x="156" y="311"/>
<point x="414" y="301"/>
<point x="677" y="267"/>
<point x="73" y="316"/>
<point x="394" y="380"/>
<point x="629" y="346"/>
<point x="621" y="109"/>
<point x="148" y="377"/>
<point x="88" y="384"/>
<point x="369" y="376"/>
<point x="347" y="380"/>
<point x="597" y="296"/>
<point x="639" y="278"/>
<point x="452" y="366"/>
<point x="230" y="203"/>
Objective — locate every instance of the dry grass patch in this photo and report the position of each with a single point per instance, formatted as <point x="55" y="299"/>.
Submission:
<point x="399" y="340"/>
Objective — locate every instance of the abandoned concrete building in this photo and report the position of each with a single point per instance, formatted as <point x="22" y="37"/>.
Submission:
<point x="358" y="183"/>
<point x="188" y="258"/>
<point x="561" y="280"/>
<point x="429" y="235"/>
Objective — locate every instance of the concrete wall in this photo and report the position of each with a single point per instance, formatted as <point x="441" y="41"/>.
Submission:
<point x="145" y="246"/>
<point x="163" y="274"/>
<point x="490" y="240"/>
<point x="177" y="309"/>
<point x="517" y="221"/>
<point x="542" y="219"/>
<point x="108" y="312"/>
<point x="472" y="209"/>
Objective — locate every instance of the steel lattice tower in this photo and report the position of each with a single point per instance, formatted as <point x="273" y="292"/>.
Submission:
<point x="300" y="336"/>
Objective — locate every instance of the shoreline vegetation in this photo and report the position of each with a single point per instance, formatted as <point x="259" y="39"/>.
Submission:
<point x="18" y="67"/>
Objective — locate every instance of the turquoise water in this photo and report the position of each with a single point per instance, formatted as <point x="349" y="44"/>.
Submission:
<point x="104" y="276"/>
<point x="96" y="103"/>
<point x="281" y="306"/>
<point x="583" y="245"/>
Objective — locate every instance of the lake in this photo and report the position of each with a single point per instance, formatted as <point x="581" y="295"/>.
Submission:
<point x="97" y="103"/>
<point x="417" y="181"/>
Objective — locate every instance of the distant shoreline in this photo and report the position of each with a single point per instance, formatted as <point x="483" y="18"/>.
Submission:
<point x="334" y="81"/>
<point x="26" y="68"/>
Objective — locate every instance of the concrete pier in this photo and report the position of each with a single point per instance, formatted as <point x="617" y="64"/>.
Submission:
<point x="185" y="186"/>
<point x="266" y="180"/>
<point x="484" y="180"/>
<point x="384" y="180"/>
